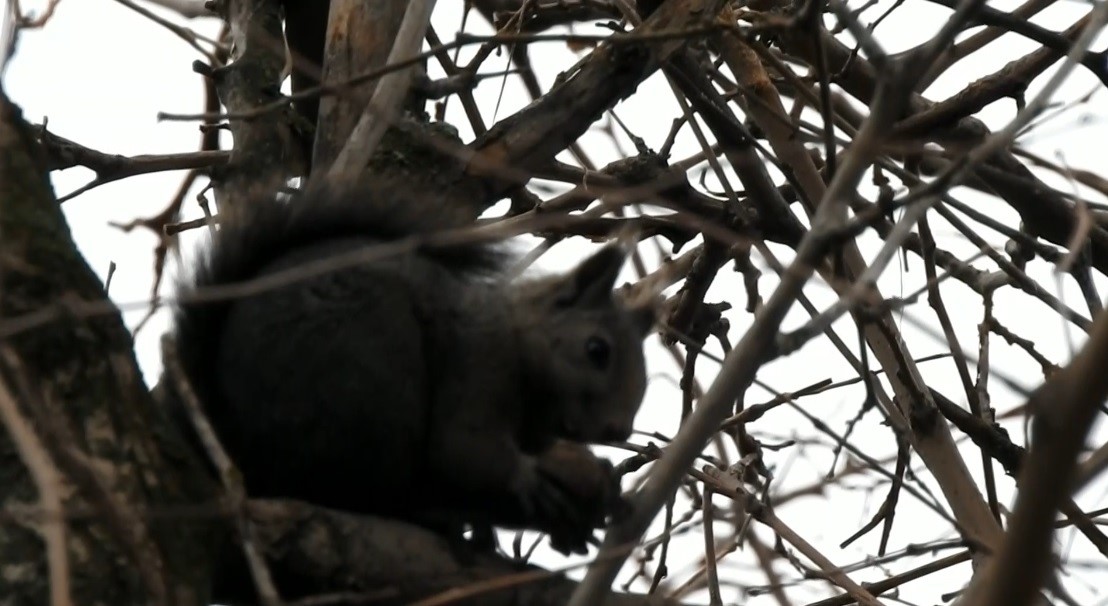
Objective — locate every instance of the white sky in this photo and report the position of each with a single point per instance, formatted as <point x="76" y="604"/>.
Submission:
<point x="100" y="73"/>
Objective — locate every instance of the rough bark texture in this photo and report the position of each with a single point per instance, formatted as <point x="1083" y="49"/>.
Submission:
<point x="359" y="38"/>
<point x="266" y="150"/>
<point x="67" y="357"/>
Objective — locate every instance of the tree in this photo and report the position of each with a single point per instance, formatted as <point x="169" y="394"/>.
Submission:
<point x="789" y="107"/>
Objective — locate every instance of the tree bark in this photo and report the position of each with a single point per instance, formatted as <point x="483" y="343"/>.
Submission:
<point x="135" y="518"/>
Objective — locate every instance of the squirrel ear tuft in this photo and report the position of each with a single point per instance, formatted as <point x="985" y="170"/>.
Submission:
<point x="591" y="282"/>
<point x="640" y="308"/>
<point x="643" y="317"/>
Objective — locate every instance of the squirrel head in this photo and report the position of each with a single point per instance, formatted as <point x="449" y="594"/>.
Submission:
<point x="584" y="344"/>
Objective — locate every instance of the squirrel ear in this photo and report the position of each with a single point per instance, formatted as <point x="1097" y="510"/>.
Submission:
<point x="591" y="283"/>
<point x="643" y="318"/>
<point x="641" y="309"/>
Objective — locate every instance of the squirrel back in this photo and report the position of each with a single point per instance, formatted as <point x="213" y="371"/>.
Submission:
<point x="418" y="379"/>
<point x="266" y="229"/>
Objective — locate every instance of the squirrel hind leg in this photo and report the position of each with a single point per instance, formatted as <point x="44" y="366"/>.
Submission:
<point x="326" y="382"/>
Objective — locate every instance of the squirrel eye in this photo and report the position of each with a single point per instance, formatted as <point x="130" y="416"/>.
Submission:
<point x="598" y="351"/>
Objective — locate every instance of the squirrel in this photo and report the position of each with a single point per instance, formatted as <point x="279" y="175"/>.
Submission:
<point x="423" y="385"/>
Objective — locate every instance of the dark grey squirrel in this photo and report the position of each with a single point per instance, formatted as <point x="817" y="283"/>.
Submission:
<point x="422" y="384"/>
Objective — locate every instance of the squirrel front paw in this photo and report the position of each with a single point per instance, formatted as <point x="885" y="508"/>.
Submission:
<point x="548" y="504"/>
<point x="568" y="492"/>
<point x="592" y="487"/>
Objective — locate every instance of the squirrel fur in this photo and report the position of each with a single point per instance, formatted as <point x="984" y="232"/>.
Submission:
<point x="423" y="385"/>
